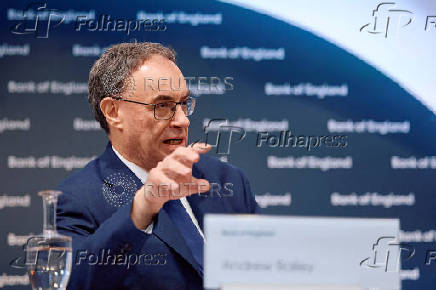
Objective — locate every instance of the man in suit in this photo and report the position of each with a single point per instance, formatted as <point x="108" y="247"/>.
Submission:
<point x="135" y="213"/>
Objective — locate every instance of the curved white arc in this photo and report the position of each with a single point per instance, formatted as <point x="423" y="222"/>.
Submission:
<point x="405" y="55"/>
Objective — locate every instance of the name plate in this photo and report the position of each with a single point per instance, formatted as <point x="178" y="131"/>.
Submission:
<point x="282" y="252"/>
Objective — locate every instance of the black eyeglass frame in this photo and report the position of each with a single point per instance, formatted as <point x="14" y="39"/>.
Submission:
<point x="193" y="101"/>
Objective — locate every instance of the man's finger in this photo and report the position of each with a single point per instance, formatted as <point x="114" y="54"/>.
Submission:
<point x="185" y="155"/>
<point x="201" y="148"/>
<point x="178" y="171"/>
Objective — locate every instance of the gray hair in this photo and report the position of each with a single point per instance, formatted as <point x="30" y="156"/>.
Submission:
<point x="111" y="74"/>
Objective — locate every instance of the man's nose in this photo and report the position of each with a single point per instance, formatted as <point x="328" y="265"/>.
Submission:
<point x="180" y="119"/>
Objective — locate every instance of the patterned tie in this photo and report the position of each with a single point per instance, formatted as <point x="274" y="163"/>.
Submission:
<point x="183" y="221"/>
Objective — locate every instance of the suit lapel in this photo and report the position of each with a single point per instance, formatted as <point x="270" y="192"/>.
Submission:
<point x="203" y="203"/>
<point x="111" y="165"/>
<point x="196" y="201"/>
<point x="163" y="227"/>
<point x="166" y="231"/>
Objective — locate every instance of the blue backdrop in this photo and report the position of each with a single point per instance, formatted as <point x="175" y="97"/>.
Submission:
<point x="362" y="146"/>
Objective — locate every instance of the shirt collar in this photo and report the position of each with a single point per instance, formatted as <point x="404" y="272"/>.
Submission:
<point x="141" y="173"/>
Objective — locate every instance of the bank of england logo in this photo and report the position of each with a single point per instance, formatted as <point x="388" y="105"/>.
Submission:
<point x="38" y="22"/>
<point x="387" y="254"/>
<point x="118" y="189"/>
<point x="387" y="20"/>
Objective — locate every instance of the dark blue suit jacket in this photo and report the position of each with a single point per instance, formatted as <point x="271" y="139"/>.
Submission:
<point x="109" y="252"/>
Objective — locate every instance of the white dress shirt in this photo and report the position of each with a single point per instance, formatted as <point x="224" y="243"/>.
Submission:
<point x="142" y="175"/>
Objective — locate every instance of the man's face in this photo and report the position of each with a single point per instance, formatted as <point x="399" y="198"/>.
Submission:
<point x="147" y="140"/>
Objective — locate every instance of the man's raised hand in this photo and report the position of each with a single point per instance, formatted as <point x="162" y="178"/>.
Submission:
<point x="170" y="179"/>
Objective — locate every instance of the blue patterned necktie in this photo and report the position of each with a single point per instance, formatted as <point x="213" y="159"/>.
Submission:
<point x="184" y="223"/>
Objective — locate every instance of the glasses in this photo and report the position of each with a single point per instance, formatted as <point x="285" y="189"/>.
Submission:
<point x="166" y="110"/>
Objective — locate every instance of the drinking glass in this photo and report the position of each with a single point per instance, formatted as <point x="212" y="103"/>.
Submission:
<point x="49" y="255"/>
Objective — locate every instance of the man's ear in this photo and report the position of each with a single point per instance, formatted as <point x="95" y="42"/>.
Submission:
<point x="109" y="108"/>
